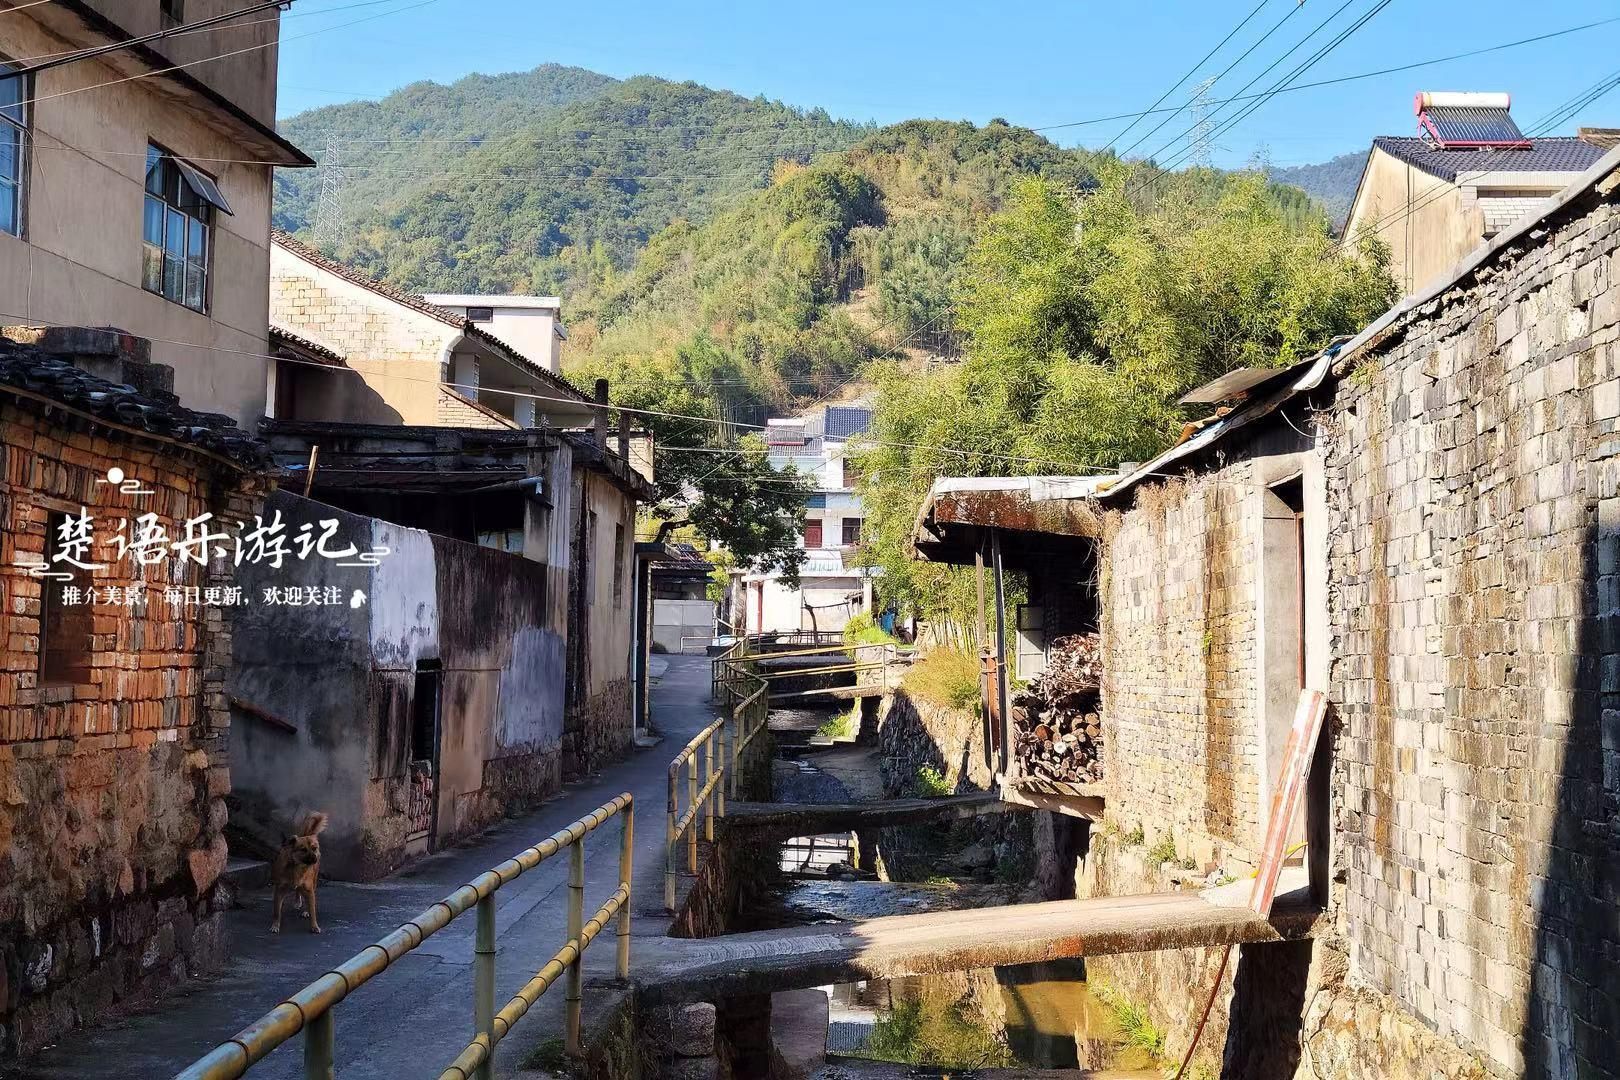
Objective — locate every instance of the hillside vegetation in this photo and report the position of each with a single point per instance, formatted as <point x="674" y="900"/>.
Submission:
<point x="543" y="182"/>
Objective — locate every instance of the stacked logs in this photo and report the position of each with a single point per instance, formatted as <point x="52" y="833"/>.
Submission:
<point x="1057" y="731"/>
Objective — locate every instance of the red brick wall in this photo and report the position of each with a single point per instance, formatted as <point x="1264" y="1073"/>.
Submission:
<point x="111" y="788"/>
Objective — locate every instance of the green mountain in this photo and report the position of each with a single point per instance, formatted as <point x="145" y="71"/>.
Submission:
<point x="1331" y="183"/>
<point x="540" y="182"/>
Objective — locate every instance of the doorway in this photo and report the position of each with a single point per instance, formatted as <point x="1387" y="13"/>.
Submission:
<point x="426" y="710"/>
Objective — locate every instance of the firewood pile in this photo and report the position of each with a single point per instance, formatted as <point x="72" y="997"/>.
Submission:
<point x="1057" y="731"/>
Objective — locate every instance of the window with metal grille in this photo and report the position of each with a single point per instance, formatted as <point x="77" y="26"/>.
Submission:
<point x="480" y="314"/>
<point x="852" y="531"/>
<point x="180" y="206"/>
<point x="13" y="148"/>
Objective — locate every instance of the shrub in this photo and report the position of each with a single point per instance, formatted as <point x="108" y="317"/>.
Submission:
<point x="862" y="630"/>
<point x="945" y="677"/>
<point x="1164" y="850"/>
<point x="1132" y="1022"/>
<point x="845" y="725"/>
<point x="932" y="783"/>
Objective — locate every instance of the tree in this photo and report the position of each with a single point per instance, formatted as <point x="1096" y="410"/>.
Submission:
<point x="727" y="490"/>
<point x="1087" y="317"/>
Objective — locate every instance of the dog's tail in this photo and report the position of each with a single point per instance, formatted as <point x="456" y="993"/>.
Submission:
<point x="313" y="824"/>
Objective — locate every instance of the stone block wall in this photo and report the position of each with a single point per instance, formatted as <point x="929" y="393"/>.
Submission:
<point x="1474" y="472"/>
<point x="1180" y="668"/>
<point x="112" y="784"/>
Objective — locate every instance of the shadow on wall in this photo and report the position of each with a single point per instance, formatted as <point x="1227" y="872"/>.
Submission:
<point x="1572" y="1018"/>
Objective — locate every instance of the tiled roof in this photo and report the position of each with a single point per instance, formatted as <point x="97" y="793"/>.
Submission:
<point x="1560" y="154"/>
<point x="313" y="349"/>
<point x="40" y="374"/>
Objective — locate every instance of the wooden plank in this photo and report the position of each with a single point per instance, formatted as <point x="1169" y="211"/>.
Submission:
<point x="701" y="969"/>
<point x="807" y="818"/>
<point x="1285" y="800"/>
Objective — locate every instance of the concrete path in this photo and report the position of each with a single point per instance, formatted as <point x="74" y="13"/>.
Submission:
<point x="414" y="1018"/>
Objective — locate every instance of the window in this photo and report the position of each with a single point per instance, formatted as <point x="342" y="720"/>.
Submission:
<point x="812" y="533"/>
<point x="174" y="11"/>
<point x="64" y="628"/>
<point x="13" y="148"/>
<point x="180" y="205"/>
<point x="852" y="531"/>
<point x="480" y="314"/>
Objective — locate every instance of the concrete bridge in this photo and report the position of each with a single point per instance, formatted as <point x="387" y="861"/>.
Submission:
<point x="669" y="970"/>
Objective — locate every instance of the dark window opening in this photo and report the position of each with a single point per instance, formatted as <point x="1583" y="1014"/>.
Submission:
<point x="64" y="620"/>
<point x="618" y="565"/>
<point x="425" y="711"/>
<point x="480" y="314"/>
<point x="174" y="12"/>
<point x="852" y="531"/>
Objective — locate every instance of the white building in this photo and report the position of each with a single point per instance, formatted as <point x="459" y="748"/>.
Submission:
<point x="832" y="587"/>
<point x="530" y="324"/>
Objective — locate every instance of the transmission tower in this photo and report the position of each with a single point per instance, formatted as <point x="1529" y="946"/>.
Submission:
<point x="329" y="211"/>
<point x="1200" y="138"/>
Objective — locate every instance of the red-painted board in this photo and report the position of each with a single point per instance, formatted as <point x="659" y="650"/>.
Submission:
<point x="1285" y="798"/>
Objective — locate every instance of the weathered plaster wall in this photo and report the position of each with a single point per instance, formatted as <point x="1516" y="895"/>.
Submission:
<point x="111" y="785"/>
<point x="81" y="263"/>
<point x="601" y="622"/>
<point x="479" y="615"/>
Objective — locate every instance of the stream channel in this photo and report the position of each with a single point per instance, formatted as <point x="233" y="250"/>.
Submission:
<point x="1035" y="1016"/>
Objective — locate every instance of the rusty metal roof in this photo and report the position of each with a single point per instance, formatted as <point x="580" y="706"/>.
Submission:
<point x="960" y="512"/>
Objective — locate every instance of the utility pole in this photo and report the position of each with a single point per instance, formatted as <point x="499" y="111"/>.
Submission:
<point x="329" y="210"/>
<point x="1202" y="135"/>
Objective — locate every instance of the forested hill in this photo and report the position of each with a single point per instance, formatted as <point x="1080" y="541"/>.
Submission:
<point x="1331" y="183"/>
<point x="546" y="181"/>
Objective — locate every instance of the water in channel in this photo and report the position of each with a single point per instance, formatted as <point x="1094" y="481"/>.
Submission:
<point x="1035" y="1016"/>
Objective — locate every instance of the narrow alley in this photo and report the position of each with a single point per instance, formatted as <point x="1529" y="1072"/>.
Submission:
<point x="409" y="1020"/>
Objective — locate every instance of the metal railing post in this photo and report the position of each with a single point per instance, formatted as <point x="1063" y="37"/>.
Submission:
<point x="320" y="1045"/>
<point x="670" y="840"/>
<point x="576" y="933"/>
<point x="484" y="982"/>
<point x="736" y="754"/>
<point x="692" y="808"/>
<point x="627" y="845"/>
<point x="708" y="782"/>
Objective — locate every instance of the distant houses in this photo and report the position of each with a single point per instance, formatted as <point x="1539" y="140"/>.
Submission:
<point x="833" y="587"/>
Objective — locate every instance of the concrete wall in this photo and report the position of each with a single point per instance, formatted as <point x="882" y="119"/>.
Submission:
<point x="79" y="262"/>
<point x="673" y="621"/>
<point x="248" y="80"/>
<point x="111" y="784"/>
<point x="346" y="676"/>
<point x="1429" y="240"/>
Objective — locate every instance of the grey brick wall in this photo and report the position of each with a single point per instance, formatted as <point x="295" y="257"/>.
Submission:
<point x="1473" y="480"/>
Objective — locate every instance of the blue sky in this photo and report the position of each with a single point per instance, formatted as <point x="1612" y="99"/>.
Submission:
<point x="1033" y="64"/>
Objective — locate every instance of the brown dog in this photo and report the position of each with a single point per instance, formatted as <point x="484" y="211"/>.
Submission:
<point x="297" y="870"/>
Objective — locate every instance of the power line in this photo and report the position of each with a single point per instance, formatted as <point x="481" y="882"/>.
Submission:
<point x="145" y="39"/>
<point x="1298" y="70"/>
<point x="1190" y="73"/>
<point x="1318" y="28"/>
<point x="1278" y="25"/>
